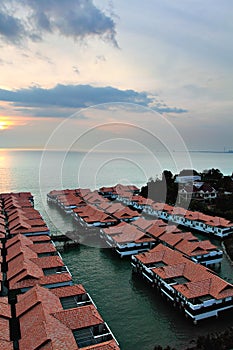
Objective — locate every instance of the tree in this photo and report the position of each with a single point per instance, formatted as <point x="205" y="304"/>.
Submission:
<point x="212" y="175"/>
<point x="167" y="176"/>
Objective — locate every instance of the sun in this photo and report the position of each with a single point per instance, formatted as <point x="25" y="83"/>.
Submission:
<point x="5" y="123"/>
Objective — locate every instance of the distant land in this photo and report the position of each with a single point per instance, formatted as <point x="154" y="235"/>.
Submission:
<point x="210" y="151"/>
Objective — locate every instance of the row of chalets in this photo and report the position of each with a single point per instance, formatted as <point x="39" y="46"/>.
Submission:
<point x="40" y="306"/>
<point x="161" y="253"/>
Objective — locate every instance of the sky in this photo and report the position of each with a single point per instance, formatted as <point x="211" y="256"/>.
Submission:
<point x="72" y="65"/>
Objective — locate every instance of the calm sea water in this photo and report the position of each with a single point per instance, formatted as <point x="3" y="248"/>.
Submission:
<point x="139" y="317"/>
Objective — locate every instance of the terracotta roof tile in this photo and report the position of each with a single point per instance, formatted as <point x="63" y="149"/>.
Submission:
<point x="106" y="189"/>
<point x="144" y="224"/>
<point x="50" y="327"/>
<point x="6" y="345"/>
<point x="67" y="291"/>
<point x="77" y="318"/>
<point x="20" y="264"/>
<point x="43" y="281"/>
<point x="39" y="238"/>
<point x="43" y="248"/>
<point x="201" y="281"/>
<point x="160" y="253"/>
<point x="174" y="238"/>
<point x="37" y="295"/>
<point x="126" y="213"/>
<point x="44" y="328"/>
<point x="30" y="230"/>
<point x="127" y="233"/>
<point x="196" y="248"/>
<point x="46" y="262"/>
<point x="17" y="238"/>
<point x="156" y="231"/>
<point x="5" y="315"/>
<point x="5" y="309"/>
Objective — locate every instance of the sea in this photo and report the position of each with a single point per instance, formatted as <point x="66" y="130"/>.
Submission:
<point x="138" y="316"/>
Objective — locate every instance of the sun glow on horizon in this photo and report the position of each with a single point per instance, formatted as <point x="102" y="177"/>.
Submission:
<point x="5" y="123"/>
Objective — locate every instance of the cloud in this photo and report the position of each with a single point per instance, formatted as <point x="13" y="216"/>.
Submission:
<point x="32" y="19"/>
<point x="10" y="28"/>
<point x="80" y="96"/>
<point x="44" y="58"/>
<point x="100" y="58"/>
<point x="76" y="70"/>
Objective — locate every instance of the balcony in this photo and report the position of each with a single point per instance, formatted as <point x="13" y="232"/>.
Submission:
<point x="93" y="335"/>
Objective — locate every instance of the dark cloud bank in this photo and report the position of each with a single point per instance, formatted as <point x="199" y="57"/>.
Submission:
<point x="71" y="18"/>
<point x="80" y="96"/>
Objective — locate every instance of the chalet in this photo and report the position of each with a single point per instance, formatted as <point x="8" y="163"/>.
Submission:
<point x="203" y="252"/>
<point x="94" y="198"/>
<point x="126" y="214"/>
<point x="136" y="201"/>
<point x="127" y="239"/>
<point x="199" y="251"/>
<point x="30" y="264"/>
<point x="27" y="227"/>
<point x="90" y="216"/>
<point x="198" y="291"/>
<point x="54" y="195"/>
<point x="119" y="211"/>
<point x="119" y="191"/>
<point x="143" y="224"/>
<point x="107" y="192"/>
<point x="22" y="218"/>
<point x="54" y="323"/>
<point x="160" y="228"/>
<point x="26" y="213"/>
<point x="213" y="225"/>
<point x="72" y="296"/>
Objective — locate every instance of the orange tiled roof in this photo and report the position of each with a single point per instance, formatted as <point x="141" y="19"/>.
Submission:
<point x="43" y="281"/>
<point x="42" y="317"/>
<point x="209" y="285"/>
<point x="156" y="231"/>
<point x="132" y="234"/>
<point x="47" y="262"/>
<point x="21" y="265"/>
<point x="39" y="238"/>
<point x="126" y="213"/>
<point x="144" y="224"/>
<point x="44" y="328"/>
<point x="43" y="248"/>
<point x="82" y="317"/>
<point x="67" y="291"/>
<point x="196" y="248"/>
<point x="174" y="238"/>
<point x="160" y="253"/>
<point x="25" y="240"/>
<point x="35" y="295"/>
<point x="5" y="316"/>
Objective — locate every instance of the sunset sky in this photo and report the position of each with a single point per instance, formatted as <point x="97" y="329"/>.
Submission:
<point x="58" y="58"/>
